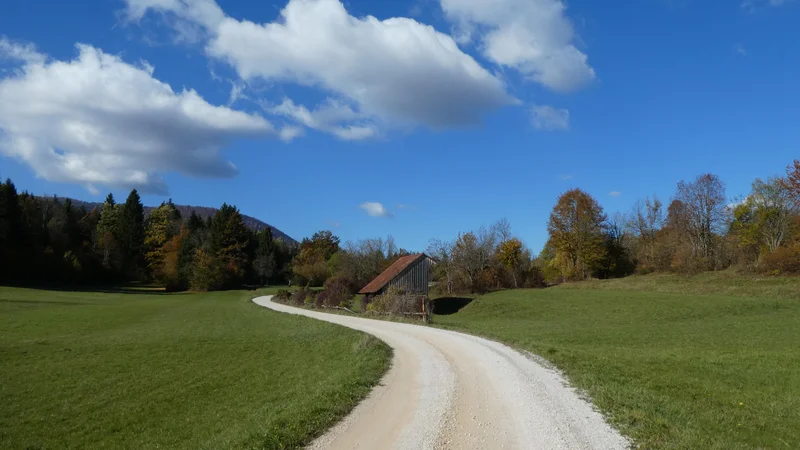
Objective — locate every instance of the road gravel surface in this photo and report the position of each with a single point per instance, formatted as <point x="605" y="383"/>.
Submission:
<point x="450" y="390"/>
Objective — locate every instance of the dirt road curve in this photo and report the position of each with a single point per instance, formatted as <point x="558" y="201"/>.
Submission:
<point x="448" y="390"/>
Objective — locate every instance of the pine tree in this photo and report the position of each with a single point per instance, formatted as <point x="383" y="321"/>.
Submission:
<point x="130" y="230"/>
<point x="106" y="236"/>
<point x="71" y="229"/>
<point x="229" y="242"/>
<point x="195" y="222"/>
<point x="264" y="262"/>
<point x="10" y="228"/>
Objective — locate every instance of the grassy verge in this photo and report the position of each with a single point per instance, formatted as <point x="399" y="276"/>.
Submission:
<point x="156" y="370"/>
<point x="671" y="364"/>
<point x="726" y="283"/>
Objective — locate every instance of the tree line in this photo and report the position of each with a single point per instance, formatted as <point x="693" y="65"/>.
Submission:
<point x="476" y="261"/>
<point x="47" y="240"/>
<point x="698" y="230"/>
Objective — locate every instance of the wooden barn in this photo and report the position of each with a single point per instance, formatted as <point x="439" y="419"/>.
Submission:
<point x="410" y="273"/>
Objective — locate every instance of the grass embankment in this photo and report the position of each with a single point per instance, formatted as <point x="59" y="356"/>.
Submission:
<point x="705" y="362"/>
<point x="154" y="370"/>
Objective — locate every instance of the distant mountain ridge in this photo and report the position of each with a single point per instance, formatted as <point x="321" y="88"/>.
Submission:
<point x="202" y="211"/>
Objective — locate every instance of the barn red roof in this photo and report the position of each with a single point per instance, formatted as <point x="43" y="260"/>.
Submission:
<point x="388" y="275"/>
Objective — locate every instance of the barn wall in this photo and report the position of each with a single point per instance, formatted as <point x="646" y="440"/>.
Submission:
<point x="414" y="280"/>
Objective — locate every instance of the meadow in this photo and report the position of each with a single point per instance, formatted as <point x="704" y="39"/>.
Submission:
<point x="128" y="368"/>
<point x="706" y="362"/>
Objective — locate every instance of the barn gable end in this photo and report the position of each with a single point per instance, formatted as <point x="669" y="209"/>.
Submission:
<point x="409" y="273"/>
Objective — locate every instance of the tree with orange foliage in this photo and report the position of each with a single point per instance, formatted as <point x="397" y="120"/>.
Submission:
<point x="576" y="228"/>
<point x="509" y="253"/>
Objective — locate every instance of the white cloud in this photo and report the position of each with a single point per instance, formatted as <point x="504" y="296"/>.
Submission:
<point x="393" y="72"/>
<point x="741" y="50"/>
<point x="97" y="120"/>
<point x="290" y="133"/>
<point x="547" y="118"/>
<point x="24" y="52"/>
<point x="332" y="117"/>
<point x="532" y="36"/>
<point x="752" y="5"/>
<point x="615" y="193"/>
<point x="375" y="209"/>
<point x="206" y="13"/>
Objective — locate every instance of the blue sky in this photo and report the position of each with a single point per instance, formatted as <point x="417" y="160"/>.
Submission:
<point x="488" y="116"/>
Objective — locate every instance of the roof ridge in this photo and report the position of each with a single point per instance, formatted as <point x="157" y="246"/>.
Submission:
<point x="391" y="272"/>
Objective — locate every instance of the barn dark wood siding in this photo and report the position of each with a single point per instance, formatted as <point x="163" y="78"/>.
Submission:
<point x="414" y="279"/>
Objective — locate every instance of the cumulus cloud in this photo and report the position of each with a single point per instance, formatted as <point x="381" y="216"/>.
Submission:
<point x="206" y="13"/>
<point x="547" y="118"/>
<point x="375" y="209"/>
<point x="332" y="117"/>
<point x="532" y="36"/>
<point x="97" y="120"/>
<point x="395" y="72"/>
<point x="17" y="51"/>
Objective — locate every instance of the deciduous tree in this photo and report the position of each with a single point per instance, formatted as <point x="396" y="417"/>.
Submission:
<point x="442" y="252"/>
<point x="164" y="223"/>
<point x="509" y="252"/>
<point x="774" y="206"/>
<point x="576" y="232"/>
<point x="311" y="262"/>
<point x="705" y="214"/>
<point x="792" y="180"/>
<point x="645" y="221"/>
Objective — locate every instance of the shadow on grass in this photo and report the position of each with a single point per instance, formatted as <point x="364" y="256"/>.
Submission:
<point x="446" y="306"/>
<point x="131" y="288"/>
<point x="40" y="302"/>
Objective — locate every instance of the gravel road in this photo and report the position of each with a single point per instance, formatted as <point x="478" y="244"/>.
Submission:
<point x="449" y="390"/>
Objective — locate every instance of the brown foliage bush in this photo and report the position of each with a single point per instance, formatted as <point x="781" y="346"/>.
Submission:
<point x="300" y="296"/>
<point x="685" y="263"/>
<point x="337" y="292"/>
<point x="396" y="302"/>
<point x="283" y="296"/>
<point x="534" y="278"/>
<point x="782" y="260"/>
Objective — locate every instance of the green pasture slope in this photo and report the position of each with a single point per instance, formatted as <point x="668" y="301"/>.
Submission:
<point x="710" y="362"/>
<point x="142" y="369"/>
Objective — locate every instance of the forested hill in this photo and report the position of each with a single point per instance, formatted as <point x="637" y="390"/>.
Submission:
<point x="202" y="211"/>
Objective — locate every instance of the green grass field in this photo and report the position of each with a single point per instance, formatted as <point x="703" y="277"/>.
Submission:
<point x="152" y="370"/>
<point x="672" y="364"/>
